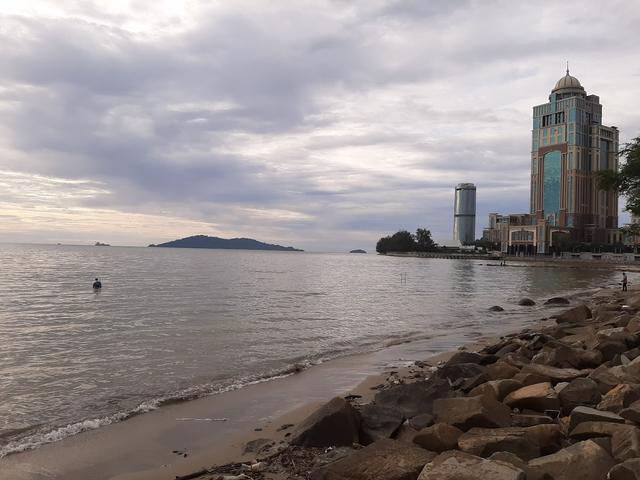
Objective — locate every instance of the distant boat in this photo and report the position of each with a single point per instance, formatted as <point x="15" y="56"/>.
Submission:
<point x="100" y="244"/>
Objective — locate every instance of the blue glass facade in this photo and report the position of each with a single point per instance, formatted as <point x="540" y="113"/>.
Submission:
<point x="551" y="194"/>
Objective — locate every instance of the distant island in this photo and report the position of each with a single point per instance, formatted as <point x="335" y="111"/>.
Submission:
<point x="358" y="250"/>
<point x="204" y="241"/>
<point x="100" y="244"/>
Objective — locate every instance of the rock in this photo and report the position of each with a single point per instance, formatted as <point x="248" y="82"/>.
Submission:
<point x="579" y="392"/>
<point x="610" y="348"/>
<point x="486" y="441"/>
<point x="619" y="397"/>
<point x="456" y="465"/>
<point x="607" y="378"/>
<point x="516" y="359"/>
<point x="497" y="388"/>
<point x="619" y="334"/>
<point x="496" y="308"/>
<point x="583" y="460"/>
<point x="549" y="437"/>
<point x="378" y="422"/>
<point x="470" y="383"/>
<point x="421" y="421"/>
<point x="530" y="378"/>
<point x="587" y="414"/>
<point x="510" y="458"/>
<point x="471" y="357"/>
<point x="469" y="412"/>
<point x="553" y="374"/>
<point x="632" y="412"/>
<point x="557" y="301"/>
<point x="587" y="430"/>
<point x="382" y="460"/>
<point x="625" y="444"/>
<point x="524" y="420"/>
<point x="405" y="433"/>
<point x="634" y="324"/>
<point x="438" y="438"/>
<point x="538" y="397"/>
<point x="563" y="356"/>
<point x="526" y="302"/>
<point x="629" y="470"/>
<point x="331" y="455"/>
<point x="336" y="423"/>
<point x="574" y="315"/>
<point x="501" y="371"/>
<point x="413" y="398"/>
<point x="460" y="370"/>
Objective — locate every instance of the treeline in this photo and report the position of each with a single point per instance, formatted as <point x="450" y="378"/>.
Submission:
<point x="404" y="241"/>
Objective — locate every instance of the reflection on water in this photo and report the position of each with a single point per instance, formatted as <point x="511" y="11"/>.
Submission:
<point x="191" y="321"/>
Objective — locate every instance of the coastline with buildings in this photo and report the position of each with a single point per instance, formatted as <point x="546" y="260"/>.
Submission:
<point x="570" y="145"/>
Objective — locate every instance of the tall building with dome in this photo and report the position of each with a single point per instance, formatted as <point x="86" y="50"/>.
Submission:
<point x="569" y="146"/>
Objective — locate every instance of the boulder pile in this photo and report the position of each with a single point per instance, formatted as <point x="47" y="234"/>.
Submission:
<point x="560" y="402"/>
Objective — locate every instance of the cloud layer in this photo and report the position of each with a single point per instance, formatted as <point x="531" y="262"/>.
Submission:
<point x="323" y="125"/>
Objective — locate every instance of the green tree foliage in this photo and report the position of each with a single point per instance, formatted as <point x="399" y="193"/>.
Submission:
<point x="403" y="241"/>
<point x="424" y="242"/>
<point x="627" y="180"/>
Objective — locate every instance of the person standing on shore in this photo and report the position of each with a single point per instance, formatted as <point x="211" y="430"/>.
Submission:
<point x="624" y="282"/>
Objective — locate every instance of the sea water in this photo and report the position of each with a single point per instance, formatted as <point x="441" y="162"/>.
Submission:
<point x="174" y="324"/>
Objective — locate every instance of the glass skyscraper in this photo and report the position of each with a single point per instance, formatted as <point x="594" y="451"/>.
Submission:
<point x="569" y="145"/>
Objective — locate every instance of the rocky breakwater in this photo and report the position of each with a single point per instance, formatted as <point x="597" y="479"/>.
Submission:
<point x="559" y="402"/>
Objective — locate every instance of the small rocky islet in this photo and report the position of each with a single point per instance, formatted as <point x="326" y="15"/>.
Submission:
<point x="557" y="402"/>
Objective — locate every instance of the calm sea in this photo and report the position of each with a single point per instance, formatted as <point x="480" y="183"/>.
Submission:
<point x="178" y="323"/>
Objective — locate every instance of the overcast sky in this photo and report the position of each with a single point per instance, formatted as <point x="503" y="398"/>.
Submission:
<point x="318" y="124"/>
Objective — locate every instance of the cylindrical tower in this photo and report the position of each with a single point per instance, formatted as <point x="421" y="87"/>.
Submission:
<point x="464" y="213"/>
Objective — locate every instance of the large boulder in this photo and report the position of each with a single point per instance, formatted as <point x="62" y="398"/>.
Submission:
<point x="574" y="315"/>
<point x="486" y="441"/>
<point x="529" y="420"/>
<point x="580" y="391"/>
<point x="378" y="422"/>
<point x="563" y="356"/>
<point x="383" y="460"/>
<point x="588" y="414"/>
<point x="454" y="465"/>
<point x="625" y="444"/>
<point x="628" y="470"/>
<point x="632" y="412"/>
<point x="413" y="398"/>
<point x="553" y="374"/>
<point x="336" y="423"/>
<point x="496" y="388"/>
<point x="538" y="397"/>
<point x="526" y="302"/>
<point x="620" y="397"/>
<point x="438" y="438"/>
<point x="471" y="357"/>
<point x="584" y="460"/>
<point x="460" y="370"/>
<point x="607" y="378"/>
<point x="557" y="301"/>
<point x="469" y="412"/>
<point x="610" y="348"/>
<point x="501" y="370"/>
<point x="587" y="430"/>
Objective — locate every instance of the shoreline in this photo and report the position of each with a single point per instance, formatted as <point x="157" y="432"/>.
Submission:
<point x="343" y="375"/>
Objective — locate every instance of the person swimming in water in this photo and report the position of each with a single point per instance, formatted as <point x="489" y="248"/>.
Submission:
<point x="97" y="284"/>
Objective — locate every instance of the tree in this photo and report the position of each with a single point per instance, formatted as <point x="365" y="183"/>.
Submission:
<point x="423" y="240"/>
<point x="401" y="241"/>
<point x="627" y="180"/>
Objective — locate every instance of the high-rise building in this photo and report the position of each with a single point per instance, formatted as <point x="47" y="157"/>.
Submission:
<point x="464" y="213"/>
<point x="569" y="146"/>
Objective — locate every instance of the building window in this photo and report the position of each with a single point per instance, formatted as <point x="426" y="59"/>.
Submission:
<point x="551" y="192"/>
